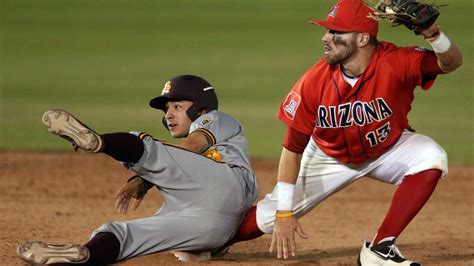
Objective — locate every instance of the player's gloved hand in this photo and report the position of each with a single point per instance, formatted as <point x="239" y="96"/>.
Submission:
<point x="134" y="190"/>
<point x="284" y="236"/>
<point x="413" y="14"/>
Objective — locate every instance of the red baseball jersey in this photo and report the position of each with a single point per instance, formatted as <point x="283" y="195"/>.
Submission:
<point x="354" y="124"/>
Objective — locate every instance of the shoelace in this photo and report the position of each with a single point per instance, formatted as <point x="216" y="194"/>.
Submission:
<point x="394" y="249"/>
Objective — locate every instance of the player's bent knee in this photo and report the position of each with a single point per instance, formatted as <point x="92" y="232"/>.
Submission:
<point x="432" y="157"/>
<point x="439" y="159"/>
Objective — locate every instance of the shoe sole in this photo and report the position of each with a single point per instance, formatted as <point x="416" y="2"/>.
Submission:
<point x="65" y="125"/>
<point x="38" y="252"/>
<point x="192" y="257"/>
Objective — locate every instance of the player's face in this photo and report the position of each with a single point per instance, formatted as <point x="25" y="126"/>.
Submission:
<point x="339" y="47"/>
<point x="176" y="118"/>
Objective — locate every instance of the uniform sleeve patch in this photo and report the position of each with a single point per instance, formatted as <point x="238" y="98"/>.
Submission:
<point x="420" y="49"/>
<point x="214" y="155"/>
<point x="291" y="104"/>
<point x="205" y="121"/>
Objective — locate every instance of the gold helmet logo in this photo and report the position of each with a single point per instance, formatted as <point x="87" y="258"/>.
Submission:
<point x="167" y="88"/>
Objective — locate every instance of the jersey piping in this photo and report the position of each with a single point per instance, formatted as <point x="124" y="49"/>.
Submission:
<point x="177" y="147"/>
<point x="342" y="128"/>
<point x="209" y="134"/>
<point x="358" y="128"/>
<point x="143" y="135"/>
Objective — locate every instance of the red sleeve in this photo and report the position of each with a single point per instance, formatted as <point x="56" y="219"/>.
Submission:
<point x="298" y="110"/>
<point x="295" y="141"/>
<point x="421" y="66"/>
<point x="430" y="69"/>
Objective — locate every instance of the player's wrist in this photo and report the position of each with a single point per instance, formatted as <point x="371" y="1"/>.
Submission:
<point x="432" y="36"/>
<point x="431" y="33"/>
<point x="133" y="178"/>
<point x="284" y="214"/>
<point x="440" y="43"/>
<point x="285" y="193"/>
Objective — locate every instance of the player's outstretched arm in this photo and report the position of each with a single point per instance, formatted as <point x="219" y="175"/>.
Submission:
<point x="285" y="226"/>
<point x="421" y="18"/>
<point x="448" y="54"/>
<point x="197" y="142"/>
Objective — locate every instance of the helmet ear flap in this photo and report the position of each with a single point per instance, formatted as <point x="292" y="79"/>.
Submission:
<point x="163" y="120"/>
<point x="192" y="112"/>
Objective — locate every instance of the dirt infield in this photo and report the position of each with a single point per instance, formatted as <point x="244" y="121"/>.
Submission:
<point x="62" y="197"/>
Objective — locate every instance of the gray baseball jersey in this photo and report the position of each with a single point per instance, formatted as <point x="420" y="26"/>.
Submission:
<point x="206" y="196"/>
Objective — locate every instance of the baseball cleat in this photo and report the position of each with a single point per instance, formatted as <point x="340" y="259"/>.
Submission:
<point x="192" y="256"/>
<point x="201" y="256"/>
<point x="385" y="253"/>
<point x="37" y="252"/>
<point x="65" y="125"/>
<point x="220" y="252"/>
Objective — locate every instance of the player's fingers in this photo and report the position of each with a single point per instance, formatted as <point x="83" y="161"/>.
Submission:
<point x="119" y="192"/>
<point x="118" y="201"/>
<point x="285" y="247"/>
<point x="136" y="203"/>
<point x="123" y="197"/>
<point x="123" y="209"/>
<point x="272" y="245"/>
<point x="124" y="204"/>
<point x="118" y="207"/>
<point x="291" y="248"/>
<point x="279" y="251"/>
<point x="292" y="245"/>
<point x="300" y="231"/>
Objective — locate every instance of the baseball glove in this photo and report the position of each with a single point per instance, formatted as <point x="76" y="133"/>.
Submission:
<point x="413" y="14"/>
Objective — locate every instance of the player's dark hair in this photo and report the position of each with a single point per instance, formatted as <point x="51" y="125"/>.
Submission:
<point x="373" y="41"/>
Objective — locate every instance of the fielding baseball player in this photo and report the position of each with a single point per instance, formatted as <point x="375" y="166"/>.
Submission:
<point x="206" y="181"/>
<point x="346" y="118"/>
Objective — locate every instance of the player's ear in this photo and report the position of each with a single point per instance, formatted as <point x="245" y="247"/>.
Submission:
<point x="363" y="39"/>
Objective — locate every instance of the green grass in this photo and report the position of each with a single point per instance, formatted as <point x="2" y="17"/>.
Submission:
<point x="104" y="60"/>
